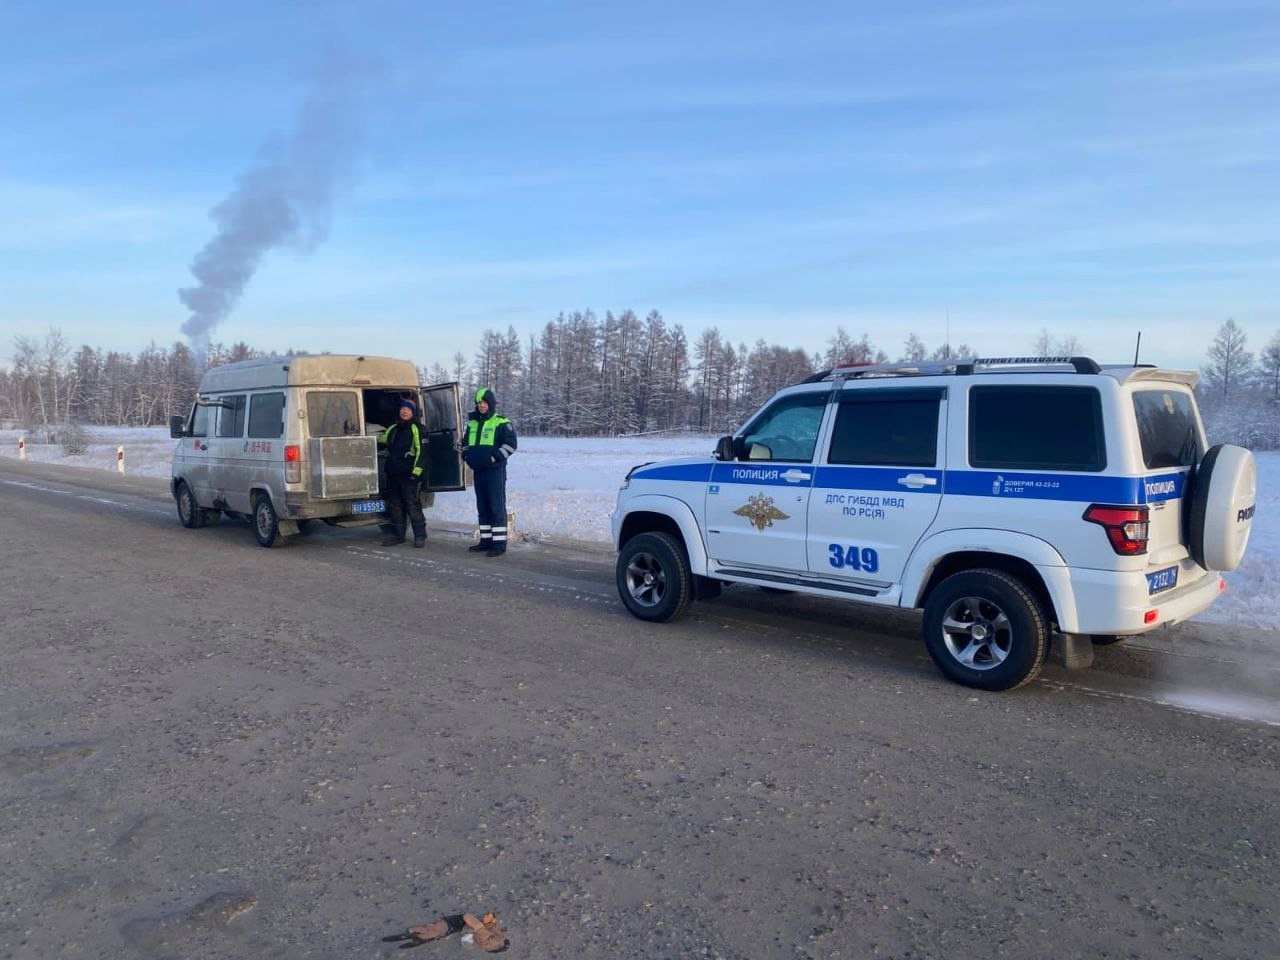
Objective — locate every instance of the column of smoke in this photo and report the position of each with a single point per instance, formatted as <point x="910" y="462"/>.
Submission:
<point x="285" y="199"/>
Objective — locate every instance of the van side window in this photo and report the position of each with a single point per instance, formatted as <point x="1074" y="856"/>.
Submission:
<point x="1036" y="428"/>
<point x="787" y="430"/>
<point x="266" y="416"/>
<point x="231" y="416"/>
<point x="333" y="413"/>
<point x="200" y="420"/>
<point x="889" y="428"/>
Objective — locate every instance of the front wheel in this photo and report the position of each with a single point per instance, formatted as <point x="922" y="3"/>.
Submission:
<point x="985" y="629"/>
<point x="653" y="577"/>
<point x="266" y="525"/>
<point x="189" y="512"/>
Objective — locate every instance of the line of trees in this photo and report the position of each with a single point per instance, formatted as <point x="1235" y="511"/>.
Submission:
<point x="584" y="374"/>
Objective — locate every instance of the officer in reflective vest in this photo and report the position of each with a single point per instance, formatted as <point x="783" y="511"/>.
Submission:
<point x="489" y="442"/>
<point x="406" y="458"/>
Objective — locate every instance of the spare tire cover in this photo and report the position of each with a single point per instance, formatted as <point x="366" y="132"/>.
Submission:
<point x="1222" y="504"/>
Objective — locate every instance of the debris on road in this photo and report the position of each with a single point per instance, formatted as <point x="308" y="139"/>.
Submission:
<point x="484" y="932"/>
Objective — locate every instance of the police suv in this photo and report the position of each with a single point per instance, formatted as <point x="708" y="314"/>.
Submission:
<point x="1017" y="501"/>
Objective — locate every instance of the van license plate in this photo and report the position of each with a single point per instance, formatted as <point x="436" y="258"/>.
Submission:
<point x="373" y="506"/>
<point x="1162" y="580"/>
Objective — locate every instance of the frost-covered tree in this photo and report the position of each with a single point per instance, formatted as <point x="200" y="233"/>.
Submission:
<point x="1229" y="363"/>
<point x="1269" y="366"/>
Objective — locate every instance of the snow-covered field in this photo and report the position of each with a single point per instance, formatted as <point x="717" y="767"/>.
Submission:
<point x="564" y="488"/>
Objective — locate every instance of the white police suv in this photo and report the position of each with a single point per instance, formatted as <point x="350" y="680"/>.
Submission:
<point x="1017" y="501"/>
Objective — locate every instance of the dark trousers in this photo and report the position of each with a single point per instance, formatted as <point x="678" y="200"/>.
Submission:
<point x="491" y="505"/>
<point x="402" y="499"/>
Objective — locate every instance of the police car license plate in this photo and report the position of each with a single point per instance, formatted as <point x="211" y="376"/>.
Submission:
<point x="369" y="506"/>
<point x="1162" y="580"/>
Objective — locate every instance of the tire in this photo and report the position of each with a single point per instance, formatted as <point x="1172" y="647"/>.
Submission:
<point x="653" y="577"/>
<point x="1105" y="640"/>
<point x="265" y="523"/>
<point x="1220" y="518"/>
<point x="1011" y="648"/>
<point x="189" y="513"/>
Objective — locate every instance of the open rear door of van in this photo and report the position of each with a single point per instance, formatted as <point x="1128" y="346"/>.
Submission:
<point x="442" y="413"/>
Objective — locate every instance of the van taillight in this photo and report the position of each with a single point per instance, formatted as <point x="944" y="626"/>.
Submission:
<point x="1127" y="527"/>
<point x="292" y="463"/>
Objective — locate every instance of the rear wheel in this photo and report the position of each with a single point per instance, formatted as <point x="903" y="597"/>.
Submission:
<point x="985" y="629"/>
<point x="266" y="525"/>
<point x="189" y="511"/>
<point x="653" y="577"/>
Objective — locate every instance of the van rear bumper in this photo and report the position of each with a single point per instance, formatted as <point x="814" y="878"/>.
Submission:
<point x="1114" y="602"/>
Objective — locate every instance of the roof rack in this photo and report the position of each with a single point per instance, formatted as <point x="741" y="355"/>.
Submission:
<point x="960" y="367"/>
<point x="1081" y="364"/>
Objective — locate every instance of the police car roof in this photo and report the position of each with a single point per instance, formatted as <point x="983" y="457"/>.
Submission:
<point x="976" y="366"/>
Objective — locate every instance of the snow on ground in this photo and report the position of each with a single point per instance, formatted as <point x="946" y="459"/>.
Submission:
<point x="564" y="488"/>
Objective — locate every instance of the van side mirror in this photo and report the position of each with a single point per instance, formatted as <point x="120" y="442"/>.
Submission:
<point x="726" y="449"/>
<point x="177" y="427"/>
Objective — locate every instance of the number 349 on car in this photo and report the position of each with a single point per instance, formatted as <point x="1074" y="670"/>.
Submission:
<point x="853" y="558"/>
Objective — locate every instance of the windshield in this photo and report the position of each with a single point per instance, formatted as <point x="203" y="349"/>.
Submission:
<point x="1168" y="428"/>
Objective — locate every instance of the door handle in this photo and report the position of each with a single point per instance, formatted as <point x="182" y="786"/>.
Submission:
<point x="918" y="480"/>
<point x="794" y="476"/>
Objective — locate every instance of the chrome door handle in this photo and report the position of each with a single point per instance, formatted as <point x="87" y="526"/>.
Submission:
<point x="918" y="480"/>
<point x="795" y="476"/>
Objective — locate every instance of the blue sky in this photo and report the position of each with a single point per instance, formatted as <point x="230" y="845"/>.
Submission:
<point x="774" y="169"/>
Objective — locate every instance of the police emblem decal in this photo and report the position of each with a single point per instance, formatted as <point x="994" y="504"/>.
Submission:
<point x="759" y="509"/>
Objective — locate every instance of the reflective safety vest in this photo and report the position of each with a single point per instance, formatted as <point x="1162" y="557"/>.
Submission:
<point x="481" y="433"/>
<point x="414" y="455"/>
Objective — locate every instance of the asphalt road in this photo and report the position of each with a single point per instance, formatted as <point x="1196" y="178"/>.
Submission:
<point x="212" y="750"/>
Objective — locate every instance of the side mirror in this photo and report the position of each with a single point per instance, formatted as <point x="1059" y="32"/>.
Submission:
<point x="725" y="449"/>
<point x="177" y="427"/>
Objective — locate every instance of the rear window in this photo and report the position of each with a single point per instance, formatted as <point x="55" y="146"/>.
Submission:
<point x="266" y="416"/>
<point x="231" y="416"/>
<point x="896" y="428"/>
<point x="333" y="413"/>
<point x="1036" y="428"/>
<point x="1167" y="428"/>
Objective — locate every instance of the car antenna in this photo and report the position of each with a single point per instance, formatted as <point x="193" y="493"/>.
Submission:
<point x="1136" y="347"/>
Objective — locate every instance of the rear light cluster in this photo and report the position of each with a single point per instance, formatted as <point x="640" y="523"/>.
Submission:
<point x="292" y="463"/>
<point x="1127" y="527"/>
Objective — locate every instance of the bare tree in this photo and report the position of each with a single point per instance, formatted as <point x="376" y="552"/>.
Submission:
<point x="1229" y="363"/>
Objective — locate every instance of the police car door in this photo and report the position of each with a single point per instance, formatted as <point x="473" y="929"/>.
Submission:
<point x="757" y="505"/>
<point x="442" y="414"/>
<point x="879" y="485"/>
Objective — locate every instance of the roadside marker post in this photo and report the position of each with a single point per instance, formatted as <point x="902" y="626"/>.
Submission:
<point x="22" y="447"/>
<point x="120" y="459"/>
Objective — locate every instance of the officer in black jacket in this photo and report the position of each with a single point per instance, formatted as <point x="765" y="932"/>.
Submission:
<point x="490" y="440"/>
<point x="406" y="458"/>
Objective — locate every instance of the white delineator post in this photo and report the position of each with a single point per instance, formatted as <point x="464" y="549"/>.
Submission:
<point x="22" y="447"/>
<point x="120" y="459"/>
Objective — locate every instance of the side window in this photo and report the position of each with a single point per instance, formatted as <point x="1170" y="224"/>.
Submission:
<point x="786" y="430"/>
<point x="333" y="413"/>
<point x="231" y="416"/>
<point x="266" y="416"/>
<point x="200" y="420"/>
<point x="1036" y="428"/>
<point x="890" y="428"/>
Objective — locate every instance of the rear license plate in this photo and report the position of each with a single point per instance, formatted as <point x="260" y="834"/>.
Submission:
<point x="369" y="506"/>
<point x="1162" y="580"/>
